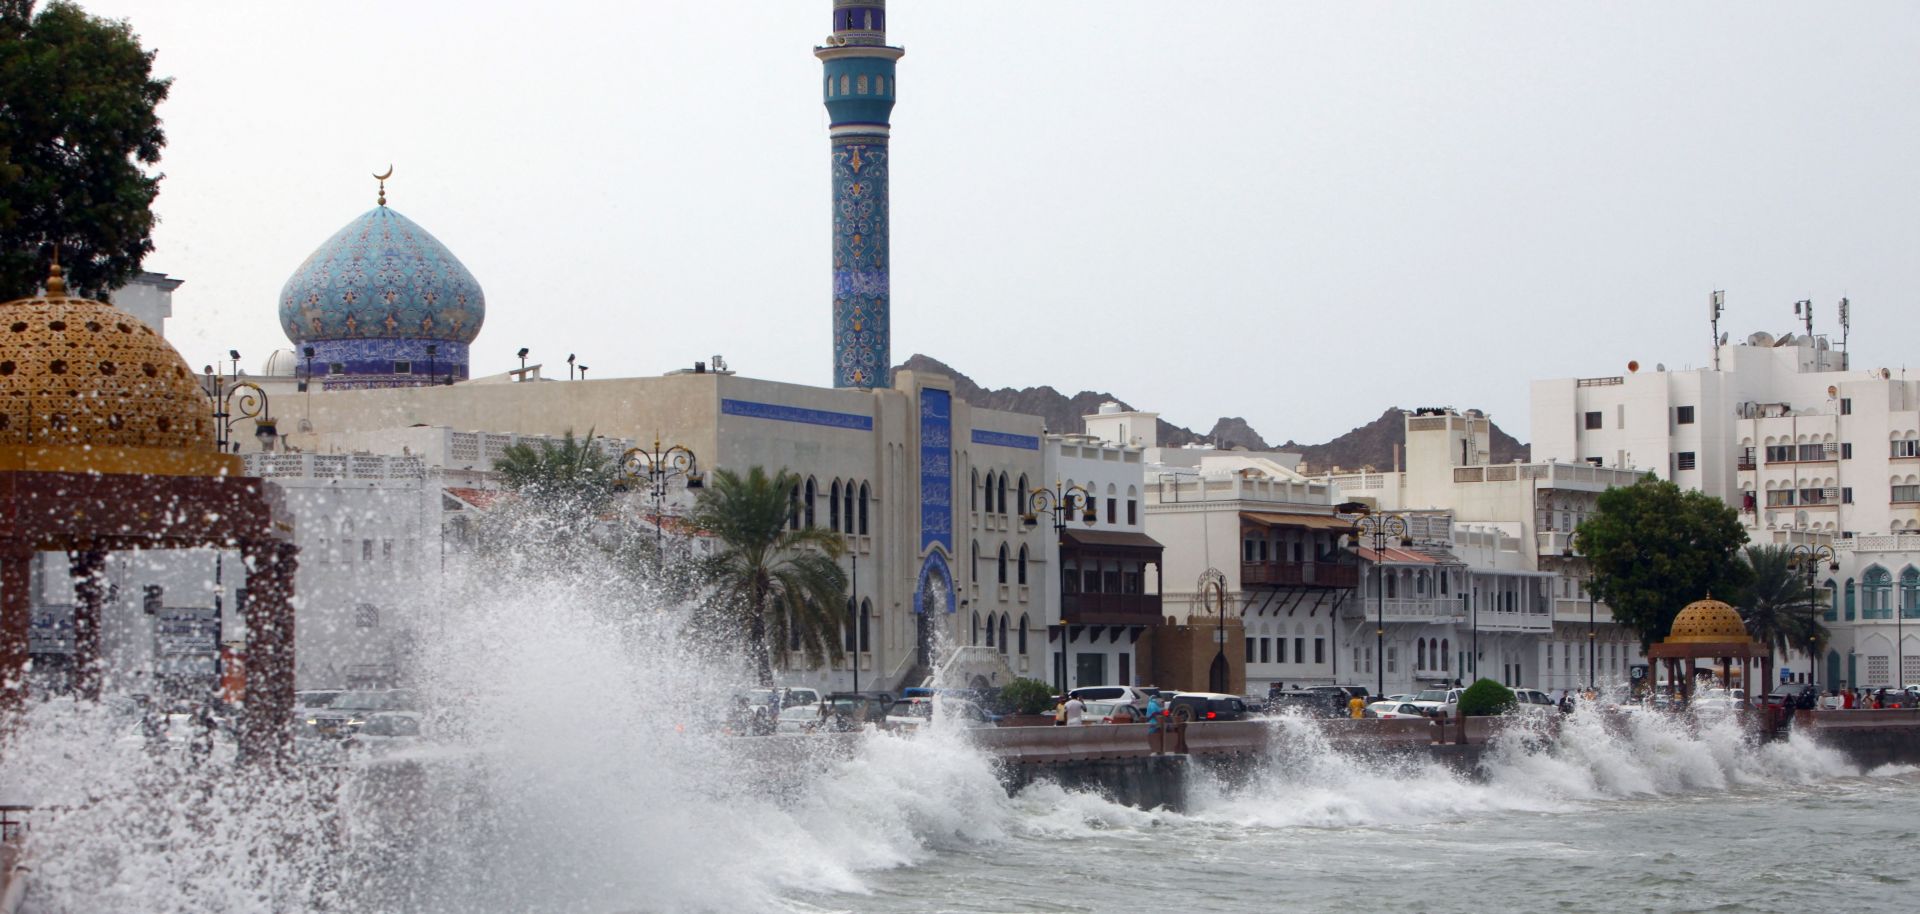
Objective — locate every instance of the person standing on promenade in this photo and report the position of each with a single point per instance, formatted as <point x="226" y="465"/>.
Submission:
<point x="1156" y="725"/>
<point x="1076" y="711"/>
<point x="1356" y="708"/>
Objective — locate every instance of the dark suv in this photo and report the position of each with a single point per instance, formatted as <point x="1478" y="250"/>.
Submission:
<point x="1794" y="695"/>
<point x="1187" y="706"/>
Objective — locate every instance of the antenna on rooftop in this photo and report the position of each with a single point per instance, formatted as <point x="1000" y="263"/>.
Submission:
<point x="1716" y="304"/>
<point x="1846" y="321"/>
<point x="1804" y="310"/>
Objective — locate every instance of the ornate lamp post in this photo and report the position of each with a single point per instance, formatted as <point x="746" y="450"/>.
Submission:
<point x="656" y="470"/>
<point x="1377" y="529"/>
<point x="1062" y="504"/>
<point x="1807" y="557"/>
<point x="234" y="400"/>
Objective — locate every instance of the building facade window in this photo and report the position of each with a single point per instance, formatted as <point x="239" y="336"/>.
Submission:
<point x="1021" y="571"/>
<point x="1686" y="460"/>
<point x="1023" y="633"/>
<point x="833" y="507"/>
<point x="1003" y="563"/>
<point x="1906" y="494"/>
<point x="1683" y="415"/>
<point x="863" y="509"/>
<point x="1876" y="594"/>
<point x="1593" y="420"/>
<point x="1909" y="448"/>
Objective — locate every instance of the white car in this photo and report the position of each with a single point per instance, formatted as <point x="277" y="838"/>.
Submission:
<point x="911" y="714"/>
<point x="1130" y="694"/>
<point x="1437" y="702"/>
<point x="1113" y="712"/>
<point x="1394" y="710"/>
<point x="1534" y="701"/>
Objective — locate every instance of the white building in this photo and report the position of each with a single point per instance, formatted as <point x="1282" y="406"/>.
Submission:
<point x="1102" y="569"/>
<point x="1810" y="450"/>
<point x="1515" y="526"/>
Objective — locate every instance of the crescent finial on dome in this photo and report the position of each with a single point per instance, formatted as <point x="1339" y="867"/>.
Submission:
<point x="383" y="183"/>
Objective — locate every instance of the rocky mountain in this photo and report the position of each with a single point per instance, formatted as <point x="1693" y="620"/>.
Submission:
<point x="1371" y="444"/>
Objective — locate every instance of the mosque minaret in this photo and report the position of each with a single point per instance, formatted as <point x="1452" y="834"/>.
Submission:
<point x="859" y="88"/>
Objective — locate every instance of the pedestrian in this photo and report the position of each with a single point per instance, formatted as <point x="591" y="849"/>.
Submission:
<point x="1059" y="710"/>
<point x="1846" y="699"/>
<point x="1076" y="711"/>
<point x="1880" y="700"/>
<point x="1356" y="708"/>
<point x="1156" y="723"/>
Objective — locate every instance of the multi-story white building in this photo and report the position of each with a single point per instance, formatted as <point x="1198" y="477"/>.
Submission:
<point x="1810" y="450"/>
<point x="1102" y="570"/>
<point x="1514" y="536"/>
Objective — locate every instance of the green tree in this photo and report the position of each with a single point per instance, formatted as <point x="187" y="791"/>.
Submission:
<point x="1654" y="548"/>
<point x="570" y="473"/>
<point x="1776" y="605"/>
<point x="779" y="587"/>
<point x="1485" y="697"/>
<point x="77" y="127"/>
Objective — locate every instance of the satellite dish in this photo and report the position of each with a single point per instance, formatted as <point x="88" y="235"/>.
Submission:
<point x="1723" y="339"/>
<point x="1659" y="366"/>
<point x="1786" y="339"/>
<point x="1760" y="338"/>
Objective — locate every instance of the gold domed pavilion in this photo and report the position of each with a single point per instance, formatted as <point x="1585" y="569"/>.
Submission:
<point x="107" y="442"/>
<point x="1711" y="629"/>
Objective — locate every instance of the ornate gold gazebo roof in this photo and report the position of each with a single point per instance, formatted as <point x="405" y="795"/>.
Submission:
<point x="88" y="388"/>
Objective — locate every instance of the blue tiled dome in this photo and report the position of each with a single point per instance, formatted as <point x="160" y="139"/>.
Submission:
<point x="382" y="277"/>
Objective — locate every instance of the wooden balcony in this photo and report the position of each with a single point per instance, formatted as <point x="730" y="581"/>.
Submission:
<point x="1110" y="609"/>
<point x="1298" y="574"/>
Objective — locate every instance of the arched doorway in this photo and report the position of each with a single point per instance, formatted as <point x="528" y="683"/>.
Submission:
<point x="1833" y="669"/>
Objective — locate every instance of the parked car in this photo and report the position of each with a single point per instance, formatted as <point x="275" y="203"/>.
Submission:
<point x="1312" y="704"/>
<point x="1187" y="706"/>
<point x="912" y="714"/>
<point x="1438" y="702"/>
<point x="1534" y="701"/>
<point x="1130" y="694"/>
<point x="349" y="710"/>
<point x="1797" y="695"/>
<point x="1344" y="691"/>
<point x="1394" y="710"/>
<point x="1114" y="712"/>
<point x="849" y="710"/>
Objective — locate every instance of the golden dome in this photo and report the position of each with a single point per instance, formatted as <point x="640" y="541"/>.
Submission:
<point x="1707" y="621"/>
<point x="86" y="387"/>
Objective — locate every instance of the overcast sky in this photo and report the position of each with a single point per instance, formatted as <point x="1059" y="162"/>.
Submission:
<point x="1297" y="213"/>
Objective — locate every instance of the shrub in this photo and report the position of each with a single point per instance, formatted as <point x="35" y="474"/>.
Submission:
<point x="1485" y="697"/>
<point x="1027" y="696"/>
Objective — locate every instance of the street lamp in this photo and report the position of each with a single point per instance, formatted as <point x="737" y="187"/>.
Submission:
<point x="1808" y="558"/>
<point x="234" y="400"/>
<point x="656" y="469"/>
<point x="1586" y="583"/>
<point x="1378" y="528"/>
<point x="1062" y="504"/>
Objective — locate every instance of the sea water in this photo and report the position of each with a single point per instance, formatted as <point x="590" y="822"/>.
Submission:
<point x="572" y="772"/>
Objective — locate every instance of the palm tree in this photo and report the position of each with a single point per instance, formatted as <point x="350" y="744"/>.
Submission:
<point x="779" y="586"/>
<point x="571" y="472"/>
<point x="1776" y="609"/>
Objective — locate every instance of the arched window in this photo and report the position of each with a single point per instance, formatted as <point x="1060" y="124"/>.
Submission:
<point x="1420" y="655"/>
<point x="793" y="508"/>
<point x="1910" y="593"/>
<point x="853" y="627"/>
<point x="975" y="638"/>
<point x="807" y="508"/>
<point x="1023" y="565"/>
<point x="973" y="492"/>
<point x="1020" y="495"/>
<point x="1003" y="633"/>
<point x="1876" y="593"/>
<point x="1003" y="493"/>
<point x="863" y="509"/>
<point x="1003" y="563"/>
<point x="833" y="508"/>
<point x="990" y="641"/>
<point x="848" y="514"/>
<point x="1833" y="601"/>
<point x="976" y="561"/>
<point x="1446" y="654"/>
<point x="1850" y="599"/>
<point x="1023" y="633"/>
<point x="866" y="625"/>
